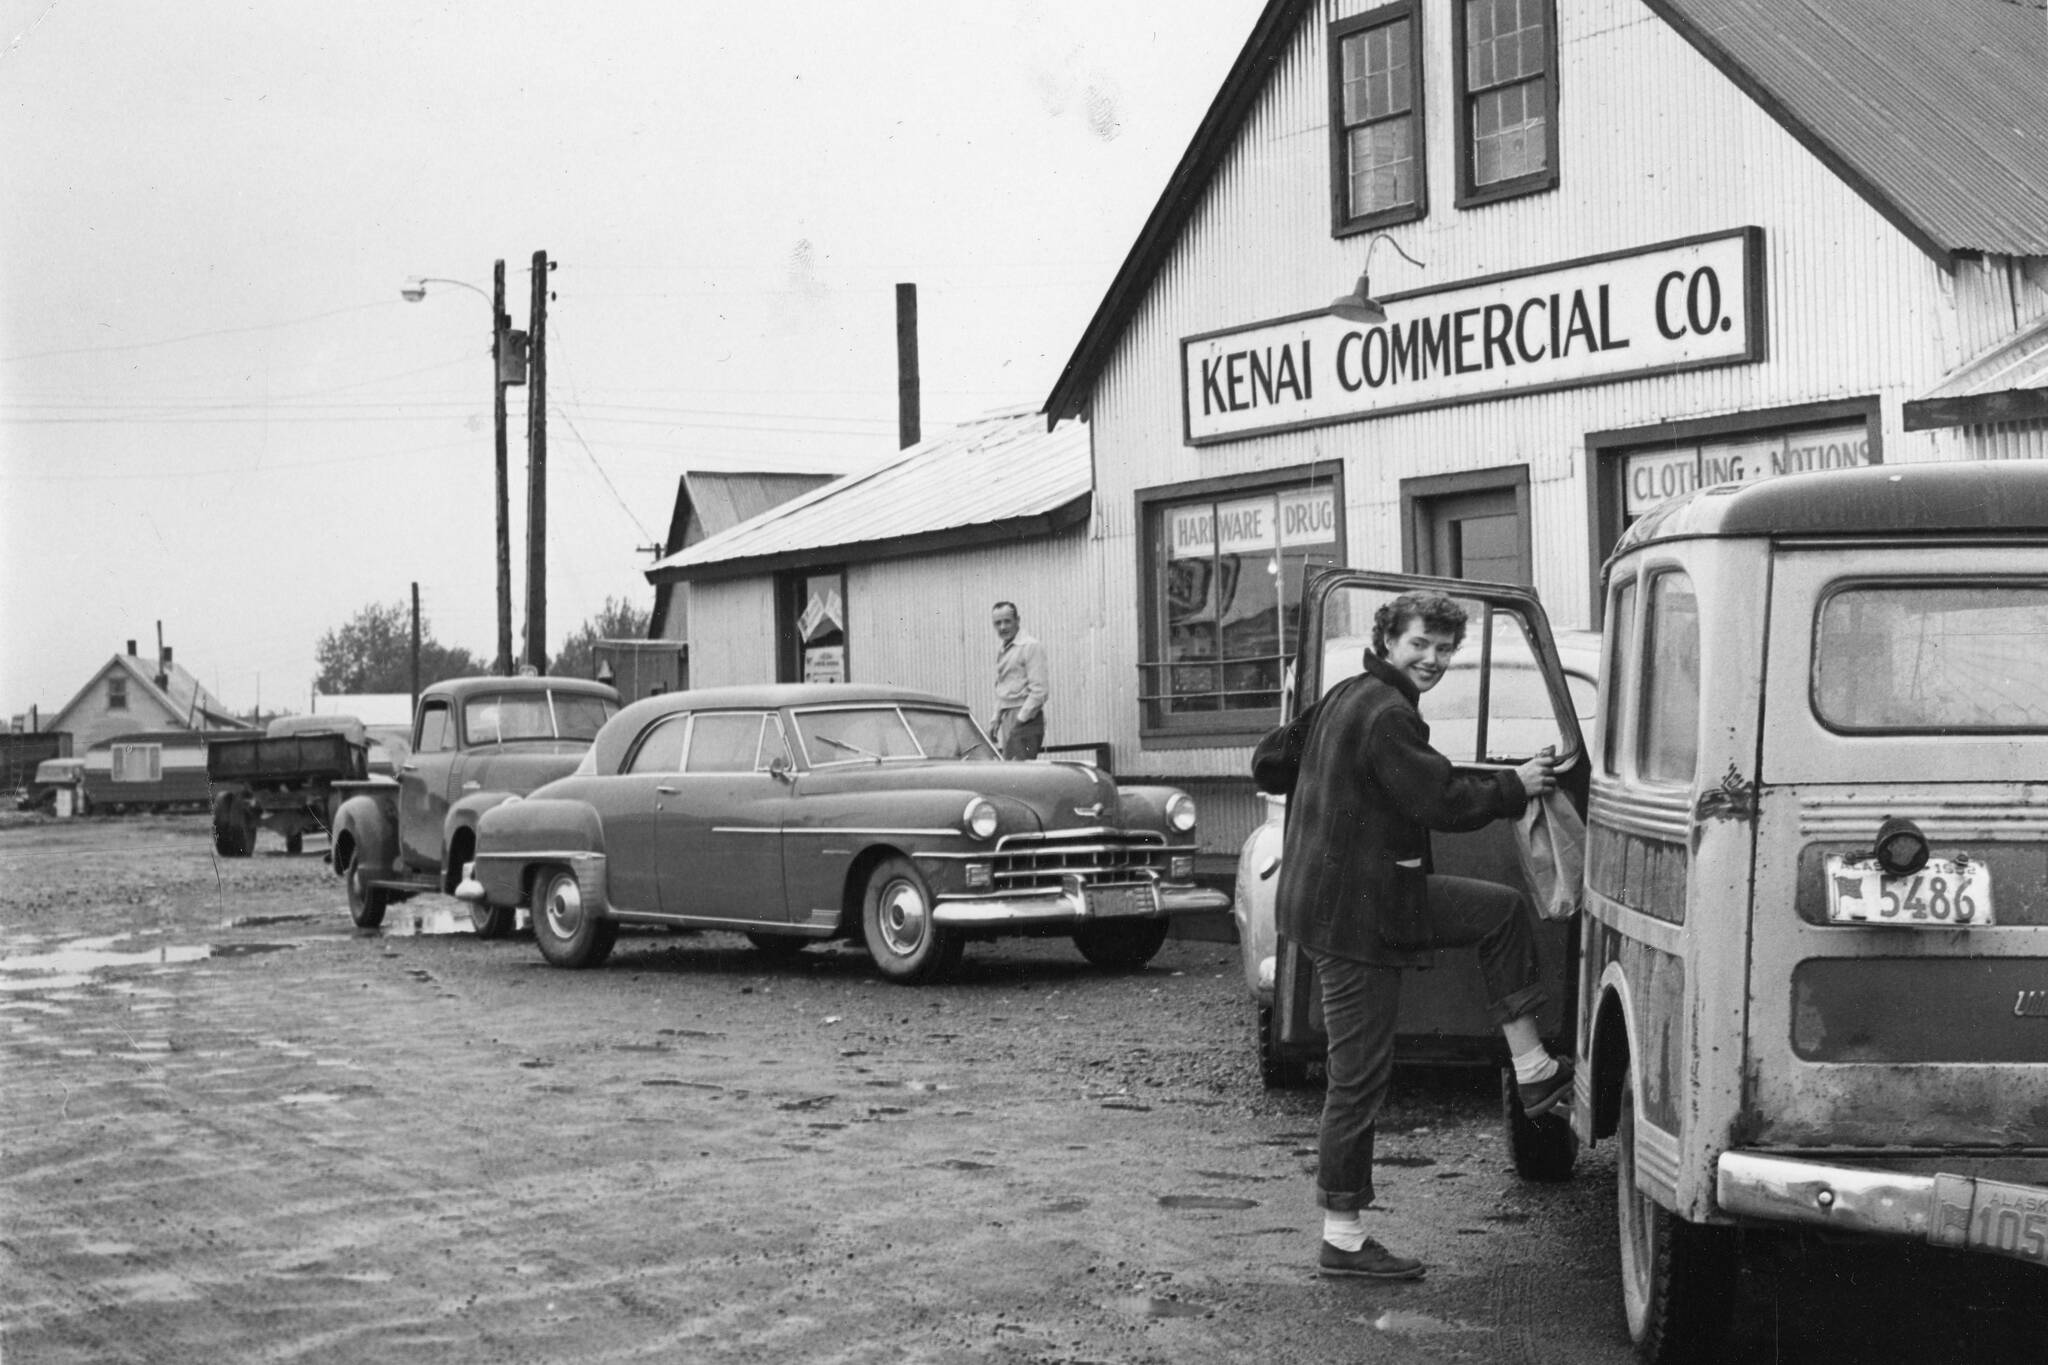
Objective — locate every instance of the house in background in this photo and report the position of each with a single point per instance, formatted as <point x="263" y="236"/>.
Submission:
<point x="130" y="694"/>
<point x="887" y="575"/>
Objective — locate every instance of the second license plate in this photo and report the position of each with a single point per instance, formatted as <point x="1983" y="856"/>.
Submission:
<point x="1116" y="902"/>
<point x="1942" y="895"/>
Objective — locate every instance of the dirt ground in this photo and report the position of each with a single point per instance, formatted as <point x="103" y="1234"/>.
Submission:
<point x="237" y="1129"/>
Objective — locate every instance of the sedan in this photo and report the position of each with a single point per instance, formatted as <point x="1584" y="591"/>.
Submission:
<point x="798" y="813"/>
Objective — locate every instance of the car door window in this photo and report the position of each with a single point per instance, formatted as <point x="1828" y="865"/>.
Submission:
<point x="1669" y="742"/>
<point x="724" y="742"/>
<point x="661" y="748"/>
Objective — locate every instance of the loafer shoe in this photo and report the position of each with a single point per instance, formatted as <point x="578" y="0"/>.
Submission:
<point x="1540" y="1097"/>
<point x="1371" y="1262"/>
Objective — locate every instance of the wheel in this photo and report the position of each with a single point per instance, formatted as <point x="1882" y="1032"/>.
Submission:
<point x="366" y="903"/>
<point x="1277" y="1069"/>
<point x="230" y="828"/>
<point x="295" y="842"/>
<point x="492" y="921"/>
<point x="781" y="947"/>
<point x="569" y="935"/>
<point x="1677" y="1278"/>
<point x="1121" y="945"/>
<point x="896" y="921"/>
<point x="1543" y="1149"/>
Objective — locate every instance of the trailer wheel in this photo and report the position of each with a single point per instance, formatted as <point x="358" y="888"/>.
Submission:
<point x="295" y="842"/>
<point x="231" y="833"/>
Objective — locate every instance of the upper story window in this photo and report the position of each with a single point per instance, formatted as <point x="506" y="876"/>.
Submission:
<point x="1376" y="119"/>
<point x="1507" y="98"/>
<point x="117" y="694"/>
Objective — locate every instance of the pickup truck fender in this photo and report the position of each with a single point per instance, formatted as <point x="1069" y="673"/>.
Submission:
<point x="366" y="827"/>
<point x="516" y="835"/>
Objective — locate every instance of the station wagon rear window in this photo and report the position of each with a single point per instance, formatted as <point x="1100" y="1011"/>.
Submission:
<point x="1933" y="657"/>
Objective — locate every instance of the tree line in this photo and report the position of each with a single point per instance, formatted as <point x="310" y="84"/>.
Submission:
<point x="372" y="650"/>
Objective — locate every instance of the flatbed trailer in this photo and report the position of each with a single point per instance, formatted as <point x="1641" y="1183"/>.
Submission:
<point x="285" y="780"/>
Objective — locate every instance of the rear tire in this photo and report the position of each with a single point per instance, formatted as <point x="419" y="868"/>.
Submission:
<point x="1677" y="1278"/>
<point x="896" y="922"/>
<point x="366" y="903"/>
<point x="1121" y="945"/>
<point x="568" y="932"/>
<point x="492" y="921"/>
<point x="1544" y="1149"/>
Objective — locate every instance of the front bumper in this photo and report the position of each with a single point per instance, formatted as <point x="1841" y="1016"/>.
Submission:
<point x="1960" y="1211"/>
<point x="1072" y="904"/>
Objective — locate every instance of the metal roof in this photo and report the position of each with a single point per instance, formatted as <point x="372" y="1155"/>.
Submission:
<point x="1989" y="497"/>
<point x="1935" y="111"/>
<point x="2008" y="383"/>
<point x="999" y="477"/>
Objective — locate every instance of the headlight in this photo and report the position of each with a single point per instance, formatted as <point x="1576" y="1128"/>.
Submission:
<point x="980" y="818"/>
<point x="1180" y="812"/>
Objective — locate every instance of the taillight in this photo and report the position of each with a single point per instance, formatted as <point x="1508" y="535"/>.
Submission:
<point x="1901" y="848"/>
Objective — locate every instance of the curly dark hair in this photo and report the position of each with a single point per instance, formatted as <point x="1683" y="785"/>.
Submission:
<point x="1436" y="612"/>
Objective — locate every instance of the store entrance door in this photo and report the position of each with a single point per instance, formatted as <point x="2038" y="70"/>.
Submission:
<point x="1469" y="532"/>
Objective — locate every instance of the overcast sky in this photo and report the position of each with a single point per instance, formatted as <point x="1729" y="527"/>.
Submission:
<point x="217" y="413"/>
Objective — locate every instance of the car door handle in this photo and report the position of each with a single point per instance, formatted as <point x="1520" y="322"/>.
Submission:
<point x="668" y="791"/>
<point x="472" y="785"/>
<point x="409" y="767"/>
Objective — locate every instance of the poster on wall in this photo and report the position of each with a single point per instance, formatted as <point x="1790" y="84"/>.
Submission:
<point x="825" y="664"/>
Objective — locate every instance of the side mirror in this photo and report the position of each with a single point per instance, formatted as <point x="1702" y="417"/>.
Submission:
<point x="779" y="767"/>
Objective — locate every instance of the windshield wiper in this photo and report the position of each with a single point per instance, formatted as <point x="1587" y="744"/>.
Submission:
<point x="849" y="748"/>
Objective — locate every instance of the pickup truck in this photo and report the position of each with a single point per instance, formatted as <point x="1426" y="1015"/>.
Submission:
<point x="283" y="778"/>
<point x="476" y="743"/>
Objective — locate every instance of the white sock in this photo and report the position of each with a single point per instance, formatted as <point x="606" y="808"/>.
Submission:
<point x="1534" y="1065"/>
<point x="1344" y="1231"/>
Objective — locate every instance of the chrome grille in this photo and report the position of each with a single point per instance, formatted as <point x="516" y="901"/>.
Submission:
<point x="1094" y="857"/>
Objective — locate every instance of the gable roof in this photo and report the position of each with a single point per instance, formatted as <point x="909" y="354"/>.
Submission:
<point x="181" y="696"/>
<point x="1934" y="111"/>
<point x="709" y="501"/>
<point x="996" y="478"/>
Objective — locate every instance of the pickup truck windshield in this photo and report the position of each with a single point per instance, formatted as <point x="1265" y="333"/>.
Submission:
<point x="1963" y="656"/>
<point x="499" y="717"/>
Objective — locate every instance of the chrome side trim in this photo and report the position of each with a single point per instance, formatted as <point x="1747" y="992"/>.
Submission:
<point x="1655" y="813"/>
<point x="1857" y="816"/>
<point x="1656" y="1161"/>
<point x="826" y="831"/>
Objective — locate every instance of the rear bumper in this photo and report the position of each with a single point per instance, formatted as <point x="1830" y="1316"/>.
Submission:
<point x="1960" y="1211"/>
<point x="1068" y="906"/>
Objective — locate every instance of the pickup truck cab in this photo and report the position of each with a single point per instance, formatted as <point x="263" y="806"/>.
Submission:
<point x="476" y="742"/>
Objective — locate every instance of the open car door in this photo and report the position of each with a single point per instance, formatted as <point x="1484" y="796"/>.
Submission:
<point x="1505" y="697"/>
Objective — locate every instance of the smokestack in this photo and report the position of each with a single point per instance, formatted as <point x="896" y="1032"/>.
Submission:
<point x="131" y="649"/>
<point x="909" y="390"/>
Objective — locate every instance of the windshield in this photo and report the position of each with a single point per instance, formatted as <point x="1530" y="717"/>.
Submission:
<point x="1891" y="657"/>
<point x="871" y="734"/>
<point x="499" y="717"/>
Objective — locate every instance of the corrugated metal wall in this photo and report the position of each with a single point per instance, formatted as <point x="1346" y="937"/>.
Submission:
<point x="1654" y="145"/>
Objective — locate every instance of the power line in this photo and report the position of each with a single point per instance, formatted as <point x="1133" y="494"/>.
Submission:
<point x="195" y="336"/>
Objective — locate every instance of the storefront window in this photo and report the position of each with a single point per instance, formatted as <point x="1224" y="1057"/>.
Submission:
<point x="811" y="624"/>
<point x="1224" y="599"/>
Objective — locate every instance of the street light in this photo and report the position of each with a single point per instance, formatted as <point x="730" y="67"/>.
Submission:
<point x="508" y="366"/>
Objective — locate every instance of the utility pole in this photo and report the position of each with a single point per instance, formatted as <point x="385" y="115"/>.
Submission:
<point x="507" y="356"/>
<point x="537" y="471"/>
<point x="415" y="648"/>
<point x="909" y="388"/>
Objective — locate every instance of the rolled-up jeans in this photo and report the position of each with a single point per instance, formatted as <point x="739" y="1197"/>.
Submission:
<point x="1362" y="1005"/>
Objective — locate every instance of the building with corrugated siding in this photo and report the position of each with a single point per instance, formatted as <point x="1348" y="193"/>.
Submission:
<point x="887" y="575"/>
<point x="1464" y="287"/>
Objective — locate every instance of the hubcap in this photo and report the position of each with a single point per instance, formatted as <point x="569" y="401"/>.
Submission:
<point x="563" y="907"/>
<point x="904" y="918"/>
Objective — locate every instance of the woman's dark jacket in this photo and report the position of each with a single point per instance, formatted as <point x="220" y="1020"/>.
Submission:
<point x="1358" y="819"/>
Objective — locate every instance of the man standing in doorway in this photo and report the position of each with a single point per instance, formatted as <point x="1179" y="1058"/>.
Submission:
<point x="1021" y="687"/>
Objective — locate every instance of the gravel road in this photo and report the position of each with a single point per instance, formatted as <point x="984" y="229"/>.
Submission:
<point x="237" y="1129"/>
